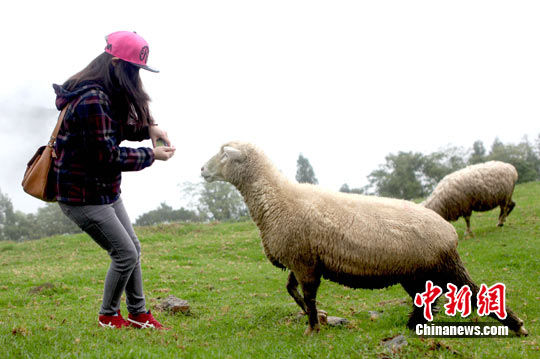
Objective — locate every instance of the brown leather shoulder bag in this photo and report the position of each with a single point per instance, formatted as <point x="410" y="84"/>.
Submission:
<point x="39" y="178"/>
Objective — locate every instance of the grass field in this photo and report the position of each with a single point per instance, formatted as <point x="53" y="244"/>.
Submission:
<point x="50" y="292"/>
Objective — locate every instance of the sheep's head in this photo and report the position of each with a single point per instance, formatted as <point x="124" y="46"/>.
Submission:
<point x="226" y="164"/>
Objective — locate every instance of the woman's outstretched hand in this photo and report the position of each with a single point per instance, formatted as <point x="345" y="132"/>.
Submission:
<point x="161" y="153"/>
<point x="157" y="133"/>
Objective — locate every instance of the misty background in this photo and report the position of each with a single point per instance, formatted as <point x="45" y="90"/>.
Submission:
<point x="344" y="83"/>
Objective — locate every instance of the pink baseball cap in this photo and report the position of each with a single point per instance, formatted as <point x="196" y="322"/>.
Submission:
<point x="130" y="47"/>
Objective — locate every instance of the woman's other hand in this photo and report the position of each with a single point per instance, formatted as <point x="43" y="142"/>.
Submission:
<point x="163" y="153"/>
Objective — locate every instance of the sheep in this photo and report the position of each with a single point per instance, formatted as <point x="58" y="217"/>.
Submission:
<point x="354" y="240"/>
<point x="479" y="187"/>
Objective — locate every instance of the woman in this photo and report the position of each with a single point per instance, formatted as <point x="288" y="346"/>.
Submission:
<point x="106" y="104"/>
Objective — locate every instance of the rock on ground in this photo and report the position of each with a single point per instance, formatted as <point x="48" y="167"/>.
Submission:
<point x="394" y="344"/>
<point x="174" y="305"/>
<point x="335" y="321"/>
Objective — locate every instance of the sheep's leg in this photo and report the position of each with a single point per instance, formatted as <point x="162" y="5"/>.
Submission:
<point x="417" y="315"/>
<point x="512" y="321"/>
<point x="310" y="294"/>
<point x="468" y="232"/>
<point x="505" y="211"/>
<point x="460" y="277"/>
<point x="510" y="207"/>
<point x="501" y="216"/>
<point x="292" y="288"/>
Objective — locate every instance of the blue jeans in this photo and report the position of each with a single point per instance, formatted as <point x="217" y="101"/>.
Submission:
<point x="109" y="226"/>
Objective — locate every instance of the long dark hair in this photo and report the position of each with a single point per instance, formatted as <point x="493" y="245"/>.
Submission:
<point x="123" y="85"/>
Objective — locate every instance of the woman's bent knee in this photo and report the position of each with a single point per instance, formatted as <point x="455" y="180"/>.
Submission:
<point x="126" y="261"/>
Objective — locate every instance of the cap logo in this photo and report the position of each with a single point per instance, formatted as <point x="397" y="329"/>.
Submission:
<point x="143" y="55"/>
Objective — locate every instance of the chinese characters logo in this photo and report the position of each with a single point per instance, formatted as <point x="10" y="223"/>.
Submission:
<point x="489" y="300"/>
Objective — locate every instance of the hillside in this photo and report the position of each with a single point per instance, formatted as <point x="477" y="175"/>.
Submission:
<point x="50" y="291"/>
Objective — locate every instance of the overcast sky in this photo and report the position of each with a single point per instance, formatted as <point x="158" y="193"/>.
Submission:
<point x="342" y="82"/>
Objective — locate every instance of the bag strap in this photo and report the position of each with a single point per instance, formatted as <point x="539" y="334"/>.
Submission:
<point x="55" y="131"/>
<point x="57" y="128"/>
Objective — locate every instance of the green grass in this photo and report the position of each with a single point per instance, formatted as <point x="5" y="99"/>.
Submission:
<point x="240" y="307"/>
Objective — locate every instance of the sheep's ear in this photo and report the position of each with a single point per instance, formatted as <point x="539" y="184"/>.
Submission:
<point x="232" y="153"/>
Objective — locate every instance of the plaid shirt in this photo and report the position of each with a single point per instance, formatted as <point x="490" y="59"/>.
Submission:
<point x="90" y="161"/>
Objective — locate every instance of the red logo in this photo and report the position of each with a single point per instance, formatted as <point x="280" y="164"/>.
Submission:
<point x="491" y="300"/>
<point x="458" y="301"/>
<point x="427" y="298"/>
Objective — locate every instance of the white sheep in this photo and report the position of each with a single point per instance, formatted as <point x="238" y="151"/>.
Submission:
<point x="479" y="187"/>
<point x="358" y="241"/>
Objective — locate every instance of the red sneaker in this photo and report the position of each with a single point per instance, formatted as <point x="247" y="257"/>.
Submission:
<point x="144" y="320"/>
<point x="113" y="321"/>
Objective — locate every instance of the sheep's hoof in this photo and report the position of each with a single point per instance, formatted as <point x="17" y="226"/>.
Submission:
<point x="522" y="332"/>
<point x="468" y="235"/>
<point x="310" y="331"/>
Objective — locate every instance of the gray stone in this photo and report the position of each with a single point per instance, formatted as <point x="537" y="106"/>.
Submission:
<point x="174" y="305"/>
<point x="325" y="319"/>
<point x="395" y="344"/>
<point x="335" y="321"/>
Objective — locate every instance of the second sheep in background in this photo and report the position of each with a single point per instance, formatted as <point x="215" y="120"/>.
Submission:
<point x="480" y="187"/>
